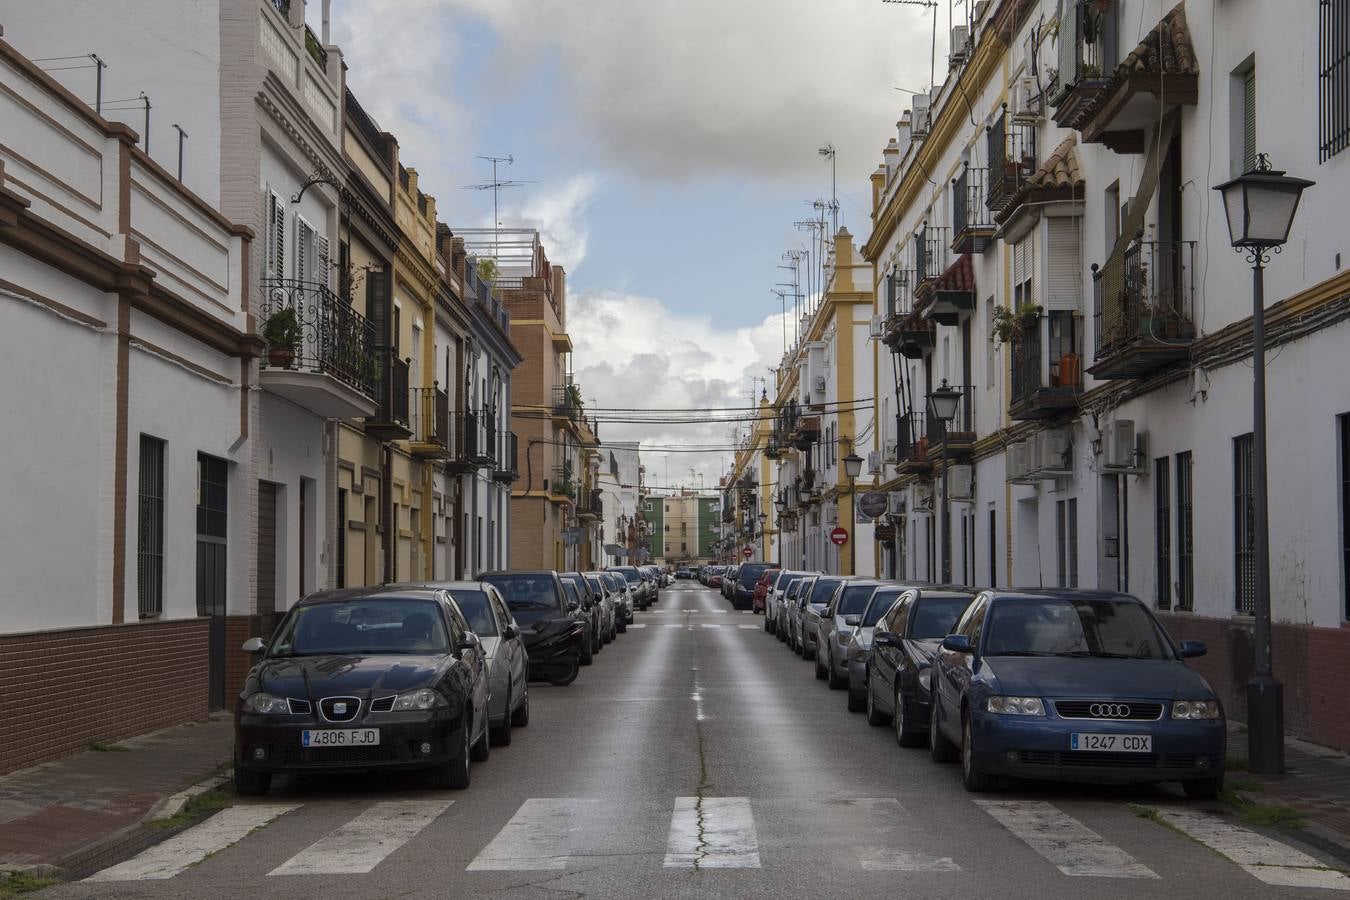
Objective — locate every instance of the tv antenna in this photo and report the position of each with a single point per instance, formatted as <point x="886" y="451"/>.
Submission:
<point x="933" y="5"/>
<point x="496" y="185"/>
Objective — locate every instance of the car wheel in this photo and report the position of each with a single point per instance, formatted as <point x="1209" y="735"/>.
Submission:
<point x="1196" y="788"/>
<point x="941" y="749"/>
<point x="805" y="651"/>
<point x="567" y="677"/>
<point x="454" y="775"/>
<point x="250" y="784"/>
<point x="768" y="625"/>
<point x="500" y="735"/>
<point x="481" y="748"/>
<point x="587" y="652"/>
<point x="875" y="717"/>
<point x="905" y="734"/>
<point x="836" y="683"/>
<point x="857" y="701"/>
<point x="521" y="716"/>
<point x="820" y="668"/>
<point x="975" y="780"/>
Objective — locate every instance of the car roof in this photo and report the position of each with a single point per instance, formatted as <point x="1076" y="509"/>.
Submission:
<point x="467" y="585"/>
<point x="378" y="592"/>
<point x="1061" y="594"/>
<point x="517" y="572"/>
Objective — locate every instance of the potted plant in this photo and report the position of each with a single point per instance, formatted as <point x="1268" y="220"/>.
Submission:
<point x="283" y="334"/>
<point x="1010" y="325"/>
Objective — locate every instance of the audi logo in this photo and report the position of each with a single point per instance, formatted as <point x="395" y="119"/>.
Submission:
<point x="1110" y="710"/>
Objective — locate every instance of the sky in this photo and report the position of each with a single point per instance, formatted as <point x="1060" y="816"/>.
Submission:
<point x="667" y="147"/>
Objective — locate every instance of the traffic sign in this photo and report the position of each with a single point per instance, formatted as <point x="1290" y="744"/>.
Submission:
<point x="872" y="504"/>
<point x="839" y="536"/>
<point x="748" y="552"/>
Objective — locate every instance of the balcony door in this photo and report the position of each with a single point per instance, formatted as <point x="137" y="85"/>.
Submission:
<point x="212" y="555"/>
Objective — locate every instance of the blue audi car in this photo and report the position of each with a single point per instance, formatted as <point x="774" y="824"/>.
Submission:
<point x="1077" y="686"/>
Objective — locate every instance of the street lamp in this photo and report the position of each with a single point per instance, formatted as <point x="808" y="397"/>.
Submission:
<point x="763" y="537"/>
<point x="942" y="404"/>
<point x="852" y="468"/>
<point x="781" y="505"/>
<point x="1260" y="207"/>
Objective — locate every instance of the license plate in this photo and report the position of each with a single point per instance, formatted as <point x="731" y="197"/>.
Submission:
<point x="1118" y="743"/>
<point x="332" y="737"/>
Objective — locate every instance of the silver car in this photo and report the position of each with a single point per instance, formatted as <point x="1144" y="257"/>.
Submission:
<point x="606" y="600"/>
<point x="835" y="626"/>
<point x="504" y="650"/>
<point x="773" y="600"/>
<point x="785" y="598"/>
<point x="859" y="649"/>
<point x="623" y="600"/>
<point x="812" y="606"/>
<point x="794" y="612"/>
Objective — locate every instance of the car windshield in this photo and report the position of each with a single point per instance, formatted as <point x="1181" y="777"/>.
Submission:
<point x="793" y="587"/>
<point x="823" y="589"/>
<point x="1115" y="628"/>
<point x="853" y="599"/>
<point x="527" y="591"/>
<point x="880" y="604"/>
<point x="362" y="625"/>
<point x="749" y="573"/>
<point x="784" y="579"/>
<point x="474" y="605"/>
<point x="596" y="586"/>
<point x="631" y="575"/>
<point x="935" y="617"/>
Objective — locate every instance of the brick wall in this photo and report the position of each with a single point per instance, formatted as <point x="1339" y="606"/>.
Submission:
<point x="1311" y="663"/>
<point x="237" y="663"/>
<point x="59" y="690"/>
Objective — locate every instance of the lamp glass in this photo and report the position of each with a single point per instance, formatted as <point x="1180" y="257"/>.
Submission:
<point x="853" y="465"/>
<point x="1260" y="207"/>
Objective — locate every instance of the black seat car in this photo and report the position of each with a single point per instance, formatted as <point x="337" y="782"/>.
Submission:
<point x="364" y="678"/>
<point x="742" y="590"/>
<point x="553" y="638"/>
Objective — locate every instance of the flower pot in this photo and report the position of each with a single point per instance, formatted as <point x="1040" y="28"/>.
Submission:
<point x="280" y="357"/>
<point x="1070" y="370"/>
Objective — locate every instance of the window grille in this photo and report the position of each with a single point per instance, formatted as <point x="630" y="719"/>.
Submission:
<point x="1333" y="77"/>
<point x="1185" y="534"/>
<point x="1162" y="529"/>
<point x="1244" y="532"/>
<point x="150" y="530"/>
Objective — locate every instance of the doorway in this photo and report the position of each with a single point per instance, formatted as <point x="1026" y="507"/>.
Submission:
<point x="212" y="520"/>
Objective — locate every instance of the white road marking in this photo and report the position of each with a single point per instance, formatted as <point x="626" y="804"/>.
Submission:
<point x="362" y="844"/>
<point x="711" y="624"/>
<point x="1070" y="845"/>
<point x="638" y="625"/>
<point x="194" y="845"/>
<point x="671" y="625"/>
<point x="751" y="627"/>
<point x="887" y="810"/>
<point x="712" y="833"/>
<point x="537" y="837"/>
<point x="1263" y="857"/>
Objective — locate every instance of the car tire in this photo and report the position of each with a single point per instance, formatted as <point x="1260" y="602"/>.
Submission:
<point x="832" y="674"/>
<point x="621" y="627"/>
<point x="821" y="671"/>
<point x="520" y="717"/>
<point x="454" y="775"/>
<point x="248" y="783"/>
<point x="768" y="625"/>
<point x="941" y="749"/>
<point x="875" y="717"/>
<point x="482" y="748"/>
<point x="587" y="653"/>
<point x="905" y="735"/>
<point x="975" y="780"/>
<point x="857" y="701"/>
<point x="1202" y="788"/>
<point x="500" y="735"/>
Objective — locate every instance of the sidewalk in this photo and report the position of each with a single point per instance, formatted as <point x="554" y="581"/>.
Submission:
<point x="73" y="812"/>
<point x="1316" y="783"/>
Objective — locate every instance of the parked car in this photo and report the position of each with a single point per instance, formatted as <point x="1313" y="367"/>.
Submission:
<point x="812" y="606"/>
<point x="761" y="592"/>
<point x="742" y="590"/>
<point x="508" y="665"/>
<point x="773" y="602"/>
<point x="786" y="598"/>
<point x="623" y="597"/>
<point x="862" y="643"/>
<point x="683" y="573"/>
<point x="795" y="615"/>
<point x="395" y="672"/>
<point x="1073" y="685"/>
<point x="641" y="592"/>
<point x="729" y="578"/>
<point x="899" y="677"/>
<point x="715" y="577"/>
<point x="582" y="608"/>
<point x="835" y="627"/>
<point x="606" y="601"/>
<point x="553" y="638"/>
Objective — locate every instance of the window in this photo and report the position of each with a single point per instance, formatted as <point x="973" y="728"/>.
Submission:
<point x="1162" y="529"/>
<point x="1185" y="535"/>
<point x="1111" y="210"/>
<point x="1062" y="570"/>
<point x="991" y="350"/>
<point x="1344" y="422"/>
<point x="993" y="556"/>
<point x="1073" y="542"/>
<point x="1249" y="120"/>
<point x="150" y="530"/>
<point x="276" y="236"/>
<point x="1066" y="524"/>
<point x="1333" y="77"/>
<point x="1244" y="531"/>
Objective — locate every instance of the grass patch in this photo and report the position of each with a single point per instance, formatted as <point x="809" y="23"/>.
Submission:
<point x="1235" y="764"/>
<point x="1272" y="815"/>
<point x="199" y="807"/>
<point x="105" y="747"/>
<point x="1142" y="811"/>
<point x="1249" y="785"/>
<point x="12" y="884"/>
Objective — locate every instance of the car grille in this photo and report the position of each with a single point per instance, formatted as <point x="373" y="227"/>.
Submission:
<point x="382" y="704"/>
<point x="299" y="707"/>
<point x="1108" y="709"/>
<point x="338" y="756"/>
<point x="1088" y="760"/>
<point x="340" y="709"/>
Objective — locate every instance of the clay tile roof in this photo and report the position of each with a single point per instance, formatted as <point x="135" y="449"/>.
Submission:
<point x="1061" y="169"/>
<point x="960" y="276"/>
<point x="1166" y="50"/>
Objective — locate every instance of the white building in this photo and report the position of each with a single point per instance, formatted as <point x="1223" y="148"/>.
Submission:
<point x="619" y="482"/>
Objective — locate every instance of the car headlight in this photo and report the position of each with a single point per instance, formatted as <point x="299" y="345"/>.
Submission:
<point x="1016" y="706"/>
<point x="426" y="698"/>
<point x="845" y="634"/>
<point x="1195" y="709"/>
<point x="926" y="678"/>
<point x="266" y="704"/>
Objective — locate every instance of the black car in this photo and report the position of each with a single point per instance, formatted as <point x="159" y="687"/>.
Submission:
<point x="682" y="572"/>
<point x="553" y="638"/>
<point x="586" y="612"/>
<point x="742" y="590"/>
<point x="899" y="670"/>
<point x="364" y="678"/>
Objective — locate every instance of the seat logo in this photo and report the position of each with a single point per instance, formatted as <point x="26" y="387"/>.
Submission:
<point x="1110" y="710"/>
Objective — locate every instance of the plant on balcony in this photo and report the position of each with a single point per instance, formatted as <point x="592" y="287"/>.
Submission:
<point x="567" y="489"/>
<point x="283" y="335"/>
<point x="1011" y="324"/>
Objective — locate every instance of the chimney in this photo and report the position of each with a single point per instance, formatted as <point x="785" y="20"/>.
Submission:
<point x="560" y="293"/>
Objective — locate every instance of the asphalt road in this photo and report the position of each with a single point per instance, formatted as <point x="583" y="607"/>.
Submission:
<point x="699" y="758"/>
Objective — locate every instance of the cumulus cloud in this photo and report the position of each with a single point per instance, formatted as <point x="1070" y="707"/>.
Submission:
<point x="559" y="215"/>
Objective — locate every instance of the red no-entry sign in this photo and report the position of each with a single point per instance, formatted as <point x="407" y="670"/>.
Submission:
<point x="748" y="552"/>
<point x="839" y="536"/>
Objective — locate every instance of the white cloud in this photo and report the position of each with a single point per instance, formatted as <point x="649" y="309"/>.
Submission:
<point x="559" y="215"/>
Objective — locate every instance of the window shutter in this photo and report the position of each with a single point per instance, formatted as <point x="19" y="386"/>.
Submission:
<point x="322" y="270"/>
<point x="1020" y="262"/>
<point x="1068" y="43"/>
<point x="1063" y="264"/>
<point x="278" y="237"/>
<point x="301" y="247"/>
<point x="1249" y="120"/>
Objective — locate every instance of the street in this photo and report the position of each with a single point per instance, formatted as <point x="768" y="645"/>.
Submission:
<point x="697" y="758"/>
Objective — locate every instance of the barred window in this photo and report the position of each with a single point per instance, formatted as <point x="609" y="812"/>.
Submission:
<point x="1185" y="535"/>
<point x="1244" y="530"/>
<point x="150" y="530"/>
<point x="1333" y="77"/>
<point x="1162" y="529"/>
<point x="1344" y="422"/>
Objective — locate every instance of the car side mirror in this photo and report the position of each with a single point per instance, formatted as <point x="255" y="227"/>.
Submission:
<point x="572" y="606"/>
<point x="1192" y="649"/>
<point x="884" y="639"/>
<point x="509" y="632"/>
<point x="958" y="643"/>
<point x="468" y="642"/>
<point x="255" y="645"/>
<point x="852" y="620"/>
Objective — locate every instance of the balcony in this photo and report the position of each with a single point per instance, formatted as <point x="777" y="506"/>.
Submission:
<point x="1143" y="309"/>
<point x="470" y="447"/>
<point x="315" y="49"/>
<point x="806" y="432"/>
<point x="507" y="469"/>
<point x="911" y="444"/>
<point x="952" y="293"/>
<point x="1114" y="104"/>
<point x="562" y="488"/>
<point x="972" y="224"/>
<point x="1047" y="374"/>
<point x="911" y="335"/>
<point x="931" y="257"/>
<point x="1012" y="159"/>
<point x="430" y="425"/>
<point x="591" y="507"/>
<point x="958" y="437"/>
<point x="391" y="421"/>
<point x="567" y="401"/>
<point x="331" y="368"/>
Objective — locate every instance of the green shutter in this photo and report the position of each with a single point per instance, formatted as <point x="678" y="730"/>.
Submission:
<point x="1249" y="120"/>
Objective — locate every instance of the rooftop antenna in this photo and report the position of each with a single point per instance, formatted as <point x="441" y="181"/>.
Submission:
<point x="496" y="185"/>
<point x="933" y="5"/>
<point x="828" y="152"/>
<point x="182" y="135"/>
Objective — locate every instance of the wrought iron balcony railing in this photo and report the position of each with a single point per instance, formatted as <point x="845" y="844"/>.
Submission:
<point x="1152" y="295"/>
<point x="1012" y="158"/>
<point x="430" y="414"/>
<point x="334" y="339"/>
<point x="972" y="223"/>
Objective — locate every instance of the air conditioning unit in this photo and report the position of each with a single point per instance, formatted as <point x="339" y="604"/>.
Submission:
<point x="877" y="328"/>
<point x="1052" y="453"/>
<point x="895" y="503"/>
<point x="922" y="497"/>
<point x="918" y="122"/>
<point x="1025" y="98"/>
<point x="873" y="463"/>
<point x="961" y="483"/>
<point x="1118" y="444"/>
<point x="891" y="452"/>
<point x="1017" y="461"/>
<point x="960" y="46"/>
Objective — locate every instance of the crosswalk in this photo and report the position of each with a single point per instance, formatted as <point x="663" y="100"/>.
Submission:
<point x="875" y="834"/>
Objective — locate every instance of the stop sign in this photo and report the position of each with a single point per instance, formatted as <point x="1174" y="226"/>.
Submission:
<point x="839" y="536"/>
<point x="748" y="552"/>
